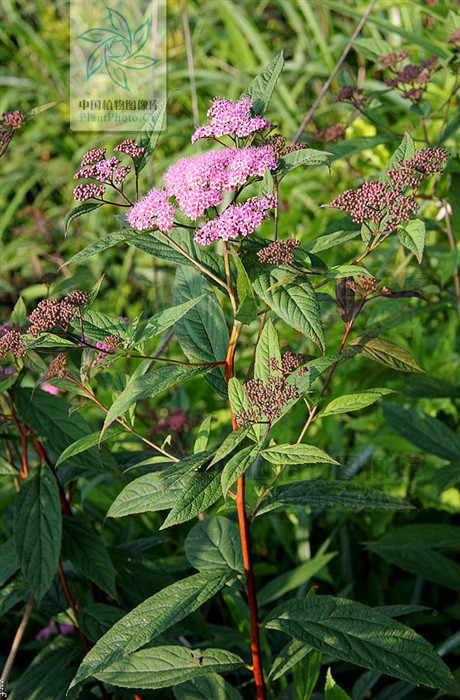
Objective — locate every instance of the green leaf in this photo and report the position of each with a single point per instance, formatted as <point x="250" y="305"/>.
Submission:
<point x="373" y="48"/>
<point x="210" y="686"/>
<point x="144" y="494"/>
<point x="104" y="242"/>
<point x="149" y="385"/>
<point x="357" y="634"/>
<point x="306" y="156"/>
<point x="50" y="672"/>
<point x="405" y="150"/>
<point x="202" y="333"/>
<point x="176" y="473"/>
<point x="387" y="353"/>
<point x="151" y="618"/>
<point x="237" y="465"/>
<point x="413" y="235"/>
<point x="214" y="543"/>
<point x="86" y="550"/>
<point x="329" y="240"/>
<point x="38" y="529"/>
<point x="202" y="438"/>
<point x="332" y="690"/>
<point x="10" y="563"/>
<point x="247" y="305"/>
<point x="422" y="430"/>
<point x="296" y="454"/>
<point x="164" y="320"/>
<point x="339" y="495"/>
<point x="230" y="443"/>
<point x="86" y="442"/>
<point x="294" y="651"/>
<point x="151" y="131"/>
<point x="200" y="492"/>
<point x="294" y="301"/>
<point x="98" y="325"/>
<point x="354" y="402"/>
<point x="290" y="580"/>
<point x="412" y="548"/>
<point x="48" y="340"/>
<point x="96" y="619"/>
<point x="263" y="86"/>
<point x="82" y="209"/>
<point x="19" y="313"/>
<point x="160" y="667"/>
<point x="268" y="348"/>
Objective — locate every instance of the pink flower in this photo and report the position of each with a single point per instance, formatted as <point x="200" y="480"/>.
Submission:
<point x="228" y="117"/>
<point x="236" y="220"/>
<point x="83" y="192"/>
<point x="93" y="156"/>
<point x="153" y="210"/>
<point x="50" y="389"/>
<point x="199" y="182"/>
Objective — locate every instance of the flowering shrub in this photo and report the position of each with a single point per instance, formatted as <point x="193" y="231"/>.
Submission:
<point x="218" y="217"/>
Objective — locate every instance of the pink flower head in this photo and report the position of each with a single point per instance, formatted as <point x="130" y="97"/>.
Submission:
<point x="199" y="182"/>
<point x="131" y="148"/>
<point x="236" y="220"/>
<point x="83" y="192"/>
<point x="153" y="210"/>
<point x="228" y="117"/>
<point x="93" y="156"/>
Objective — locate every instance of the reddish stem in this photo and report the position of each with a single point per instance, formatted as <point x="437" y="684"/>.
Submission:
<point x="244" y="526"/>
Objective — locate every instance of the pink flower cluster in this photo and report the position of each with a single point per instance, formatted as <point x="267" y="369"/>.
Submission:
<point x="83" y="192"/>
<point x="11" y="341"/>
<point x="229" y="117"/>
<point x="93" y="156"/>
<point x="108" y="170"/>
<point x="153" y="210"/>
<point x="199" y="182"/>
<point x="236" y="220"/>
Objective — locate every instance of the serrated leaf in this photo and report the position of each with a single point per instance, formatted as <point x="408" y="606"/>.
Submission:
<point x="247" y="305"/>
<point x="96" y="619"/>
<point x="74" y="213"/>
<point x="98" y="325"/>
<point x="292" y="653"/>
<point x="38" y="529"/>
<point x="144" y="494"/>
<point x="294" y="301"/>
<point x="48" y="675"/>
<point x="354" y="402"/>
<point x="86" y="550"/>
<point x="151" y="618"/>
<point x="422" y="430"/>
<point x="237" y="465"/>
<point x="296" y="454"/>
<point x="329" y="240"/>
<point x="209" y="686"/>
<point x="202" y="333"/>
<point x="202" y="437"/>
<point x="405" y="150"/>
<point x="160" y="667"/>
<point x="267" y="349"/>
<point x="86" y="442"/>
<point x="290" y="580"/>
<point x="165" y="319"/>
<point x="230" y="443"/>
<point x="149" y="385"/>
<point x="9" y="559"/>
<point x="19" y="313"/>
<point x="306" y="156"/>
<point x="387" y="353"/>
<point x="175" y="474"/>
<point x="333" y="691"/>
<point x="262" y="87"/>
<point x="201" y="490"/>
<point x="356" y="633"/>
<point x="338" y="495"/>
<point x="214" y="543"/>
<point x="151" y="131"/>
<point x="413" y="235"/>
<point x="413" y="549"/>
<point x="108" y="241"/>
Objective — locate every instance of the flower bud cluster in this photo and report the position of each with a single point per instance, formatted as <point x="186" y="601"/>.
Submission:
<point x="332" y="134"/>
<point x="83" y="192"/>
<point x="14" y="119"/>
<point x="93" y="156"/>
<point x="130" y="148"/>
<point x="290" y="362"/>
<point x="411" y="79"/>
<point x="11" y="341"/>
<point x="227" y="117"/>
<point x="50" y="313"/>
<point x="279" y="252"/>
<point x="57" y="367"/>
<point x="281" y="147"/>
<point x="367" y="285"/>
<point x="350" y="93"/>
<point x="265" y="400"/>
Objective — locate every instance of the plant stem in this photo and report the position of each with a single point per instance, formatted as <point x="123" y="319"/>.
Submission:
<point x="193" y="261"/>
<point x="244" y="527"/>
<point x="17" y="640"/>
<point x="73" y="607"/>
